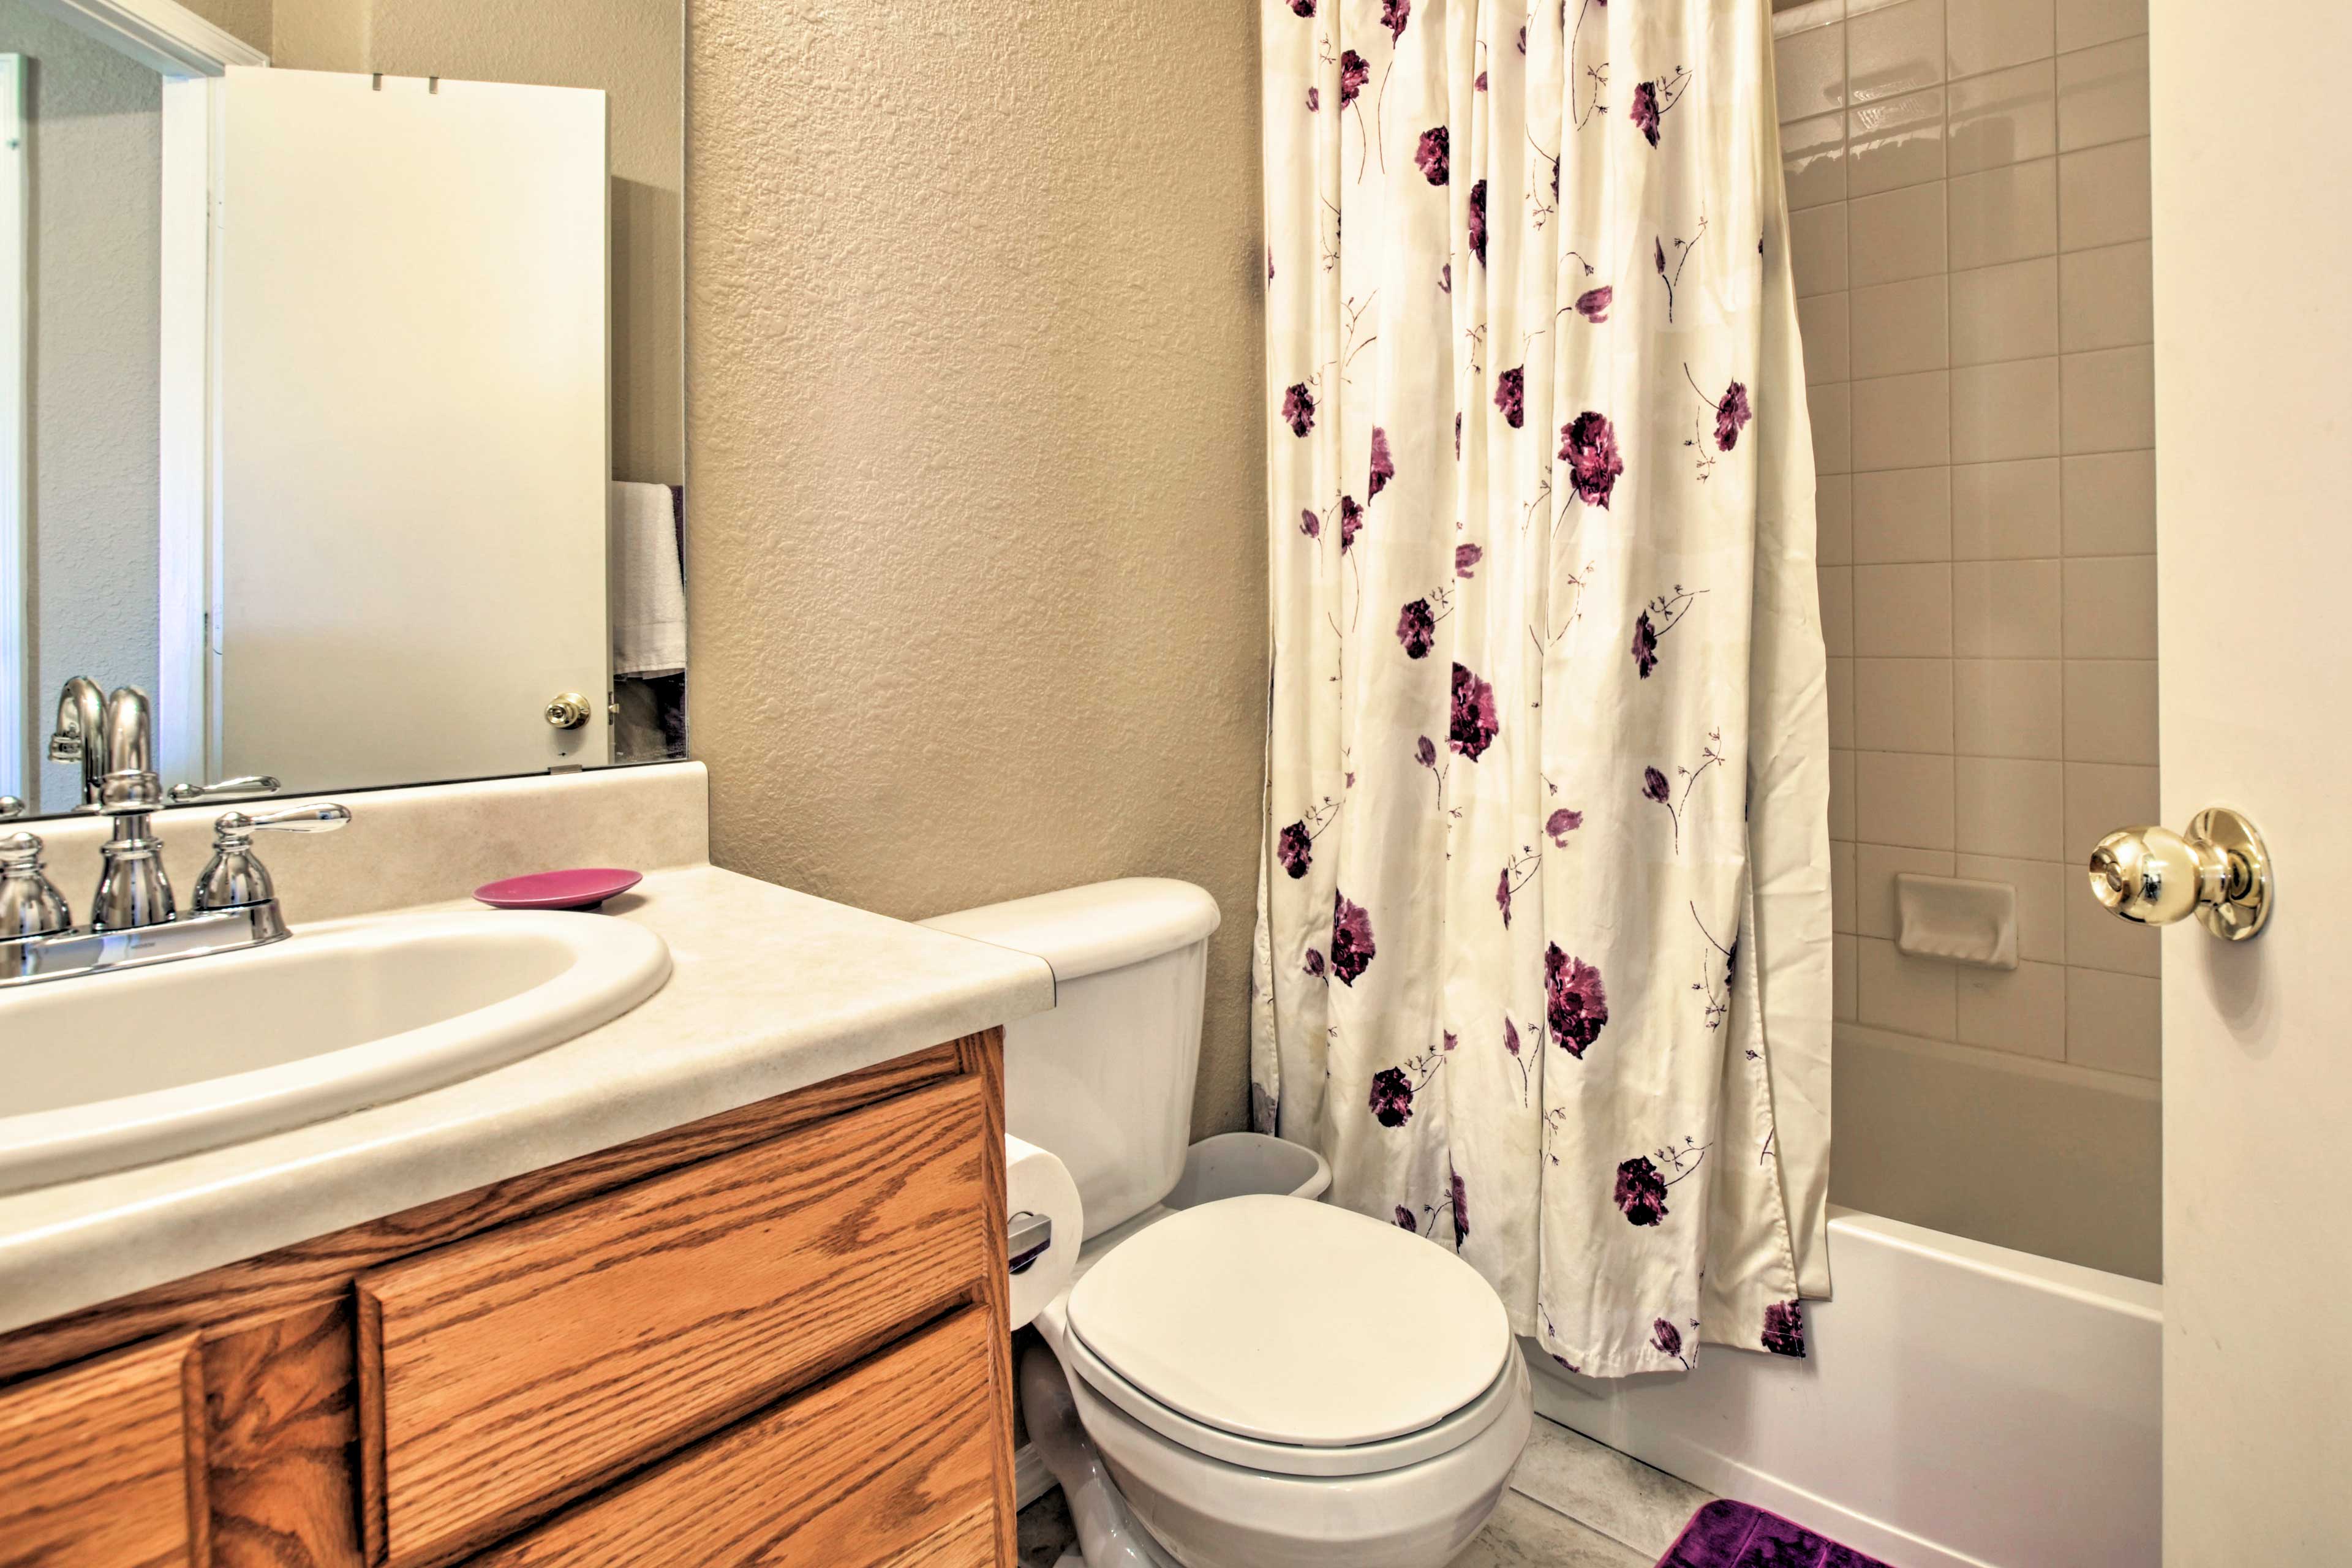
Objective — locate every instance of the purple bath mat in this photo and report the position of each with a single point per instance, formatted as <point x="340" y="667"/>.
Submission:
<point x="1733" y="1535"/>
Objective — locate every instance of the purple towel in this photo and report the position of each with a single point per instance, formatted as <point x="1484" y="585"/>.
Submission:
<point x="1733" y="1535"/>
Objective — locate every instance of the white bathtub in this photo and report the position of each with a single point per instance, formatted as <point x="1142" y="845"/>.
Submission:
<point x="1963" y="1407"/>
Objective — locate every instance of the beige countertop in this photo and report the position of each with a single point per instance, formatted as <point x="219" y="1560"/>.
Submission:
<point x="771" y="991"/>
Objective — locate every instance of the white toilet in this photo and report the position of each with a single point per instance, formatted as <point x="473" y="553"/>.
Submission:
<point x="1258" y="1380"/>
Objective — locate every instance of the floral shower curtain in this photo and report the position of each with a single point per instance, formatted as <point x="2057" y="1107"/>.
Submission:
<point x="1543" y="948"/>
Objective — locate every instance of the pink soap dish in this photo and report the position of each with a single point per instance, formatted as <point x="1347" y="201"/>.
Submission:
<point x="582" y="888"/>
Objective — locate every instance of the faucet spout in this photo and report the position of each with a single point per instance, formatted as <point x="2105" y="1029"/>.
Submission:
<point x="127" y="780"/>
<point x="79" y="734"/>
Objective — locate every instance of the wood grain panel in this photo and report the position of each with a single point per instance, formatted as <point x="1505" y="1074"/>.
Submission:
<point x="507" y="1374"/>
<point x="314" y="1271"/>
<point x="983" y="1059"/>
<point x="281" y="1421"/>
<point x="892" y="1462"/>
<point x="100" y="1466"/>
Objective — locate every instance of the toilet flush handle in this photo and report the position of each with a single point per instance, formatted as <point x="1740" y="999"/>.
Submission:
<point x="1027" y="1236"/>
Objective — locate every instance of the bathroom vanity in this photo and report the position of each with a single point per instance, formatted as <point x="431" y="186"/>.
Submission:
<point x="720" y="1281"/>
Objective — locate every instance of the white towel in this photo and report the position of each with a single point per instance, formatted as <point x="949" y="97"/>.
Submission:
<point x="648" y="588"/>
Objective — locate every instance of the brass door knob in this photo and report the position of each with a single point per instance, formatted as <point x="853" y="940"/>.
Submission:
<point x="568" y="711"/>
<point x="2218" y="870"/>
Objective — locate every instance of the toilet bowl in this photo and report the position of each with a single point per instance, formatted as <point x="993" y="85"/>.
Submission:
<point x="1238" y="1376"/>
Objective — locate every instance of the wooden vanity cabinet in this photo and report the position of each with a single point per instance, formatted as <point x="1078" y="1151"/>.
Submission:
<point x="776" y="1336"/>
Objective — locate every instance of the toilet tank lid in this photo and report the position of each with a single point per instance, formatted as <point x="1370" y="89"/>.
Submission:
<point x="1085" y="931"/>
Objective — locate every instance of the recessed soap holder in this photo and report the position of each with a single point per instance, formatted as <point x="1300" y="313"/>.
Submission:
<point x="1956" y="919"/>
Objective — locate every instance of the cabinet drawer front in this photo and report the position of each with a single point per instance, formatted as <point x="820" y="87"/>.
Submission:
<point x="96" y="1466"/>
<point x="511" y="1371"/>
<point x="892" y="1462"/>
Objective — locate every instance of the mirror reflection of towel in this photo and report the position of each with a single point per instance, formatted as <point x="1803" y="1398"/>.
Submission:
<point x="648" y="585"/>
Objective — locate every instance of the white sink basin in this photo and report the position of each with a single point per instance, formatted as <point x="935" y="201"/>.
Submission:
<point x="103" y="1072"/>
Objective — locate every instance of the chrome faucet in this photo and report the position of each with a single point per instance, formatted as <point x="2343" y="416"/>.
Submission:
<point x="134" y="919"/>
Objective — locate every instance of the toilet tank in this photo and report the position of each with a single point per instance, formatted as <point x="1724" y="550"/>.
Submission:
<point x="1105" y="1080"/>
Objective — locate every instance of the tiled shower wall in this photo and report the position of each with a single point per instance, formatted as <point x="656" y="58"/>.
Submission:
<point x="1972" y="250"/>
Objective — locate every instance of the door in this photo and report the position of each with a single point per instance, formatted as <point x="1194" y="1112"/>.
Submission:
<point x="2253" y="334"/>
<point x="411" y="460"/>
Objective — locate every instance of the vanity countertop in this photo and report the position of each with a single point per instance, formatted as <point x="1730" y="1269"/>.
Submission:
<point x="770" y="991"/>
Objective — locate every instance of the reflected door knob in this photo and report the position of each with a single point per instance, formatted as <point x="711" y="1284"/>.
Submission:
<point x="2218" y="870"/>
<point x="567" y="711"/>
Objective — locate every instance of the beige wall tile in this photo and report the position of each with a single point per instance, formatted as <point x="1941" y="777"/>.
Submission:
<point x="2110" y="503"/>
<point x="2107" y="298"/>
<point x="1821" y="328"/>
<point x="2081" y="23"/>
<point x="2111" y="607"/>
<point x="2005" y="312"/>
<point x="1895" y="142"/>
<point x="1808" y="72"/>
<point x="2007" y="609"/>
<point x="1903" y="612"/>
<point x="1817" y="249"/>
<point x="1903" y="421"/>
<point x="1812" y="158"/>
<point x="1912" y="995"/>
<point x="2009" y="708"/>
<point x="2004" y="214"/>
<point x="1895" y="50"/>
<point x="1833" y="520"/>
<point x="2103" y="94"/>
<point x="2041" y="888"/>
<point x="2008" y="117"/>
<point x="2102" y="195"/>
<point x="1845" y="966"/>
<point x="2022" y="1009"/>
<point x="1900" y="328"/>
<point x="1902" y="705"/>
<point x="2004" y="412"/>
<point x="2112" y="1021"/>
<point x="1839" y="680"/>
<point x="1875" y="867"/>
<point x="1841" y="794"/>
<point x="1841" y="887"/>
<point x="1902" y="798"/>
<point x="2011" y="809"/>
<point x="2097" y="939"/>
<point x="2102" y="797"/>
<point x="1903" y="514"/>
<point x="1837" y="609"/>
<point x="2110" y="711"/>
<point x="1895" y="234"/>
<point x="2004" y="511"/>
<point x="1986" y="35"/>
<point x="2110" y="400"/>
<point x="1831" y="410"/>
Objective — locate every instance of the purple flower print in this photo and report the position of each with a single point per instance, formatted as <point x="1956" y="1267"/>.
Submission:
<point x="1269" y="264"/>
<point x="1653" y="786"/>
<point x="1424" y="752"/>
<point x="1588" y="444"/>
<point x="1431" y="158"/>
<point x="1445" y="286"/>
<point x="1383" y="466"/>
<point x="1294" y="847"/>
<point x="1417" y="629"/>
<point x="1511" y="395"/>
<point x="1474" y="723"/>
<point x="1392" y="1107"/>
<point x="1404" y="1215"/>
<point x="1784" y="1329"/>
<point x="1302" y="7"/>
<point x="1645" y="110"/>
<point x="1314" y="963"/>
<point x="1465" y="561"/>
<point x="1666" y="1339"/>
<point x="1394" y="15"/>
<point x="1641" y="1191"/>
<point x="1313" y="98"/>
<point x="1478" y="221"/>
<point x="1299" y="408"/>
<point x="1645" y="645"/>
<point x="1351" y="939"/>
<point x="1351" y="518"/>
<point x="1355" y="70"/>
<point x="1562" y="823"/>
<point x="1518" y="872"/>
<point x="1593" y="303"/>
<point x="1309" y="524"/>
<point x="1575" y="1005"/>
<point x="1457" y="431"/>
<point x="1461" y="1206"/>
<point x="1503" y="897"/>
<point x="1731" y="417"/>
<point x="1481" y="83"/>
<point x="1510" y="1035"/>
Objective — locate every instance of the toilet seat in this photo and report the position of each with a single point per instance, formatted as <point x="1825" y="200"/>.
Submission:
<point x="1291" y="1337"/>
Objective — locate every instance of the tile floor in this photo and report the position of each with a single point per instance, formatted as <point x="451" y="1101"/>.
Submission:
<point x="1573" y="1504"/>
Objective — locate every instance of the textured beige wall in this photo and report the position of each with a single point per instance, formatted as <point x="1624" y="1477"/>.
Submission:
<point x="975" y="530"/>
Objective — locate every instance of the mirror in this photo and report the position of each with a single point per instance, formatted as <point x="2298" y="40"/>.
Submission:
<point x="340" y="387"/>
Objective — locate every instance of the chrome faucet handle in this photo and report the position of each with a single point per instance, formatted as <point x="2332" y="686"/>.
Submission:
<point x="235" y="877"/>
<point x="30" y="904"/>
<point x="226" y="789"/>
<point x="11" y="808"/>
